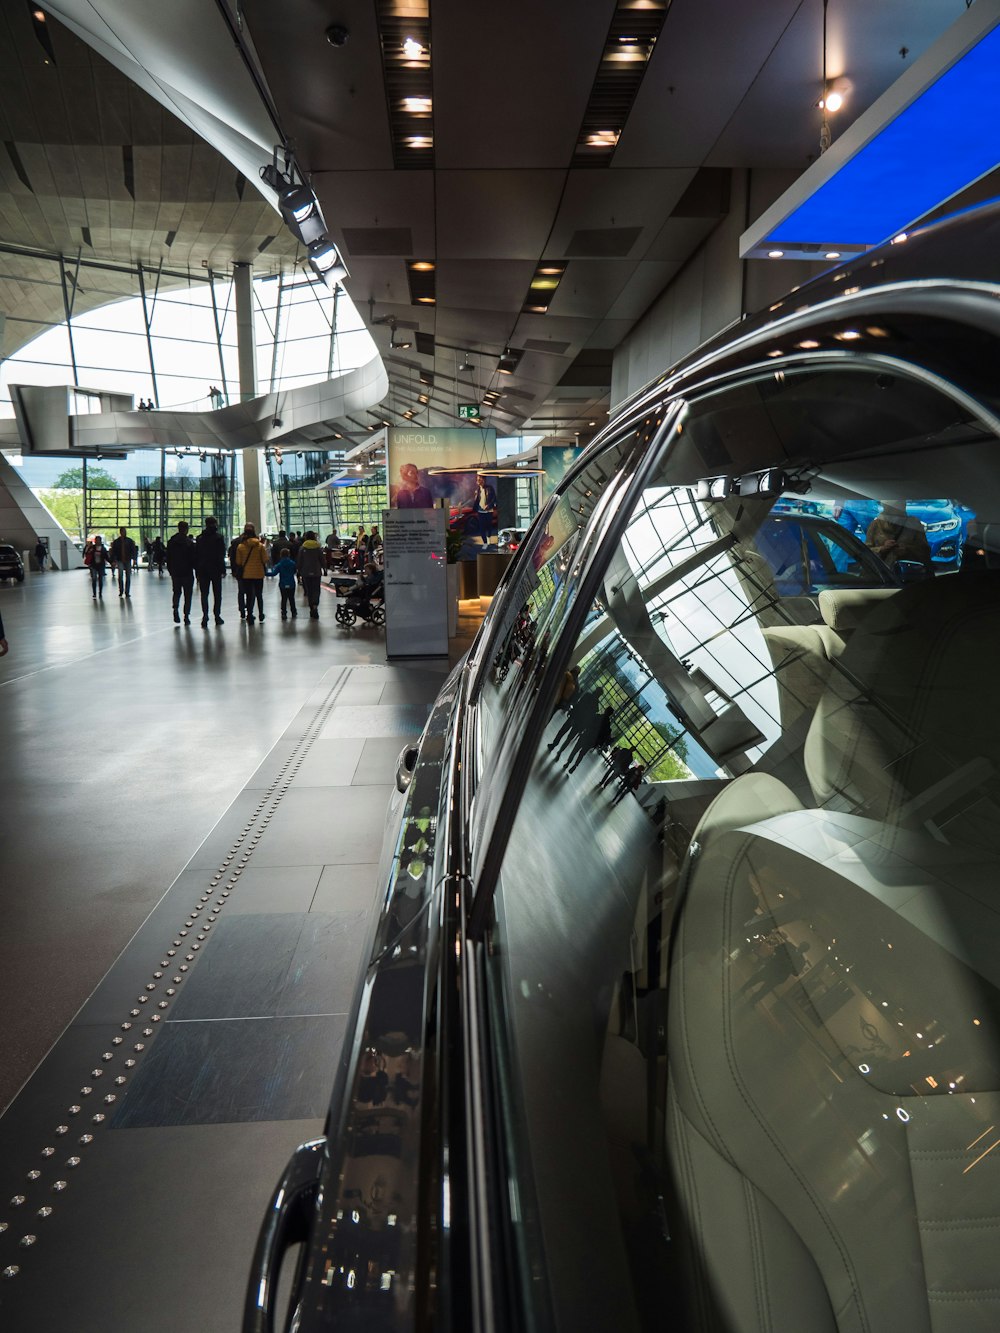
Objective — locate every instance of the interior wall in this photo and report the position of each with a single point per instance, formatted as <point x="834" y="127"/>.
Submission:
<point x="714" y="289"/>
<point x="23" y="519"/>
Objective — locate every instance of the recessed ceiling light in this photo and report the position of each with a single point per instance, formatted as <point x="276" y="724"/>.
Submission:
<point x="898" y="240"/>
<point x="418" y="106"/>
<point x="412" y="48"/>
<point x="603" y="138"/>
<point x="775" y="254"/>
<point x="847" y="335"/>
<point x="422" y="266"/>
<point x="426" y="300"/>
<point x="875" y="331"/>
<point x="833" y="101"/>
<point x="776" y="352"/>
<point x="419" y="141"/>
<point x="832" y="254"/>
<point x="552" y="270"/>
<point x="807" y="344"/>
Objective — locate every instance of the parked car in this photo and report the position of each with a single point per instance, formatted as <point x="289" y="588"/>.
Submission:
<point x="11" y="564"/>
<point x="509" y="539"/>
<point x="682" y="1003"/>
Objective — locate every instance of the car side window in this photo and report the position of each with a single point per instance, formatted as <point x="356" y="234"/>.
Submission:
<point x="767" y="768"/>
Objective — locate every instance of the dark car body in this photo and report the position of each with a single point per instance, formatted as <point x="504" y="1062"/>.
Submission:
<point x="11" y="564"/>
<point x="710" y="1041"/>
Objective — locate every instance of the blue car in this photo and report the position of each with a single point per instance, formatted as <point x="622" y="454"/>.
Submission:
<point x="945" y="524"/>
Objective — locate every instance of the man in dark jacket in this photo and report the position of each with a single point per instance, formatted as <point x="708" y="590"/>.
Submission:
<point x="210" y="566"/>
<point x="596" y="737"/>
<point x="309" y="567"/>
<point x="180" y="567"/>
<point x="237" y="572"/>
<point x="122" y="553"/>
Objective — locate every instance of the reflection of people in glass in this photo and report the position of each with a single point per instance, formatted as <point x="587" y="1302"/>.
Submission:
<point x="411" y="493"/>
<point x="896" y="535"/>
<point x="787" y="960"/>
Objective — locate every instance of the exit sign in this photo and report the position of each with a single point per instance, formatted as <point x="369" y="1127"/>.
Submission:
<point x="468" y="411"/>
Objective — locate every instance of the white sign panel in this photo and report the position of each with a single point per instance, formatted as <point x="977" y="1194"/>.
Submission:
<point x="416" y="583"/>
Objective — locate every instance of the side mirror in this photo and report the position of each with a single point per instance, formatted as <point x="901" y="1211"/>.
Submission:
<point x="911" y="571"/>
<point x="405" y="766"/>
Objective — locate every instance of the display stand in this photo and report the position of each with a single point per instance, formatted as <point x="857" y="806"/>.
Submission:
<point x="416" y="586"/>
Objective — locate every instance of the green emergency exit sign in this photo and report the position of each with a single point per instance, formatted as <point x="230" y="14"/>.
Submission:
<point x="468" y="411"/>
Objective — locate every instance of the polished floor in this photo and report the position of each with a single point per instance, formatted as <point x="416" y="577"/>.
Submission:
<point x="189" y="835"/>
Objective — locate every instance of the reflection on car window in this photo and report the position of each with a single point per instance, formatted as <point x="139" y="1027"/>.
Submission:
<point x="777" y="714"/>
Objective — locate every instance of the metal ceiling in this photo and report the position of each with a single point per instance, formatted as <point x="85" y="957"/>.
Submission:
<point x="497" y="196"/>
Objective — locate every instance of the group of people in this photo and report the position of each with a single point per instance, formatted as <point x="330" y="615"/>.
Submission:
<point x="586" y="728"/>
<point x="145" y="405"/>
<point x="122" y="556"/>
<point x="295" y="559"/>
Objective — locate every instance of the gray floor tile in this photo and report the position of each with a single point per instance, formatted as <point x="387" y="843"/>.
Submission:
<point x="394" y="720"/>
<point x="314" y="825"/>
<point x="346" y="888"/>
<point x="377" y="765"/>
<point x="329" y="763"/>
<point x="274" y="889"/>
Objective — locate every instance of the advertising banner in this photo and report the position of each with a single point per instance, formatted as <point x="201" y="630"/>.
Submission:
<point x="557" y="459"/>
<point x="416" y="583"/>
<point x="414" y="456"/>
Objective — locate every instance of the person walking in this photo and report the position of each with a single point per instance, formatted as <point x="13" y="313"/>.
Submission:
<point x="309" y="567"/>
<point x="596" y="737"/>
<point x="181" y="555"/>
<point x="284" y="570"/>
<point x="123" y="552"/>
<point x="210" y="566"/>
<point x="96" y="558"/>
<point x="234" y="569"/>
<point x="40" y="555"/>
<point x="253" y="570"/>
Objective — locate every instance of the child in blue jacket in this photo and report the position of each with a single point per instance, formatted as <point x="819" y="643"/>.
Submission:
<point x="284" y="568"/>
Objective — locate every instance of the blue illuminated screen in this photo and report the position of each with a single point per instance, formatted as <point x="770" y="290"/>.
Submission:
<point x="941" y="143"/>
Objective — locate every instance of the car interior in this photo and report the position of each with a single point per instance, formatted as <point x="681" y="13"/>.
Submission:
<point x="745" y="941"/>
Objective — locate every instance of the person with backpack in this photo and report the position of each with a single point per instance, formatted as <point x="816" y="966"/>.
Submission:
<point x="252" y="562"/>
<point x="309" y="567"/>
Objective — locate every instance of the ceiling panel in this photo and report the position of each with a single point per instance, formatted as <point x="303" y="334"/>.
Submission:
<point x="496" y="214"/>
<point x="615" y="199"/>
<point x="707" y="57"/>
<point x="484" y="284"/>
<point x="511" y="82"/>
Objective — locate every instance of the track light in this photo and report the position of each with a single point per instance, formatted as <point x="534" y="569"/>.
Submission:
<point x="303" y="216"/>
<point x="466" y="367"/>
<point x="326" y="261"/>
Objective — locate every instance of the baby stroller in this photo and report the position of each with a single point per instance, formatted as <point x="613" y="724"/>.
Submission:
<point x="368" y="603"/>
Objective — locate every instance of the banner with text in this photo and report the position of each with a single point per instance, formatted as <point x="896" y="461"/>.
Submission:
<point x="414" y="456"/>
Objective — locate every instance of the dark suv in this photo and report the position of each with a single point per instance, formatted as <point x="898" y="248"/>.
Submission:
<point x="682" y="1005"/>
<point x="11" y="564"/>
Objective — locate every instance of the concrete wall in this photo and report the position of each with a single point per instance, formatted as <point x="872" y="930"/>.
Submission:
<point x="714" y="289"/>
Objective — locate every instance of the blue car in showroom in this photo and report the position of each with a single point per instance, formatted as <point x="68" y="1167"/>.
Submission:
<point x="682" y="1002"/>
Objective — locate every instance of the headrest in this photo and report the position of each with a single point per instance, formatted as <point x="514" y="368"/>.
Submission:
<point x="847" y="608"/>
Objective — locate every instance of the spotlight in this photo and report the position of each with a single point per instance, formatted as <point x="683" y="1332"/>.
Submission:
<point x="303" y="216"/>
<point x="466" y="367"/>
<point x="277" y="423"/>
<point x="326" y="261"/>
<point x="337" y="34"/>
<point x="270" y="175"/>
<point x="203" y="456"/>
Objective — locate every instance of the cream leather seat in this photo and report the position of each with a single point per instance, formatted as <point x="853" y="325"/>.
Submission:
<point x="826" y="1177"/>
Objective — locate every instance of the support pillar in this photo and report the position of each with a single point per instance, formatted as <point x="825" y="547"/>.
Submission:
<point x="246" y="347"/>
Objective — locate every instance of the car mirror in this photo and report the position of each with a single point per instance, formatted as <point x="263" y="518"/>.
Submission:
<point x="910" y="571"/>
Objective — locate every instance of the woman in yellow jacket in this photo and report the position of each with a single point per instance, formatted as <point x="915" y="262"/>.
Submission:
<point x="252" y="560"/>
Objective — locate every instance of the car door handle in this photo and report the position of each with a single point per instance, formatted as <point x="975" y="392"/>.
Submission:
<point x="285" y="1224"/>
<point x="405" y="765"/>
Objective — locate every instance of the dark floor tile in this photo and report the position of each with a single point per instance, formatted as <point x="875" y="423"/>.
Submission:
<point x="236" y="1070"/>
<point x="154" y="1234"/>
<point x="328" y="960"/>
<point x="242" y="968"/>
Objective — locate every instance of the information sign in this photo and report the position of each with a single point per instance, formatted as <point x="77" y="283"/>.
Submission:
<point x="416" y="583"/>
